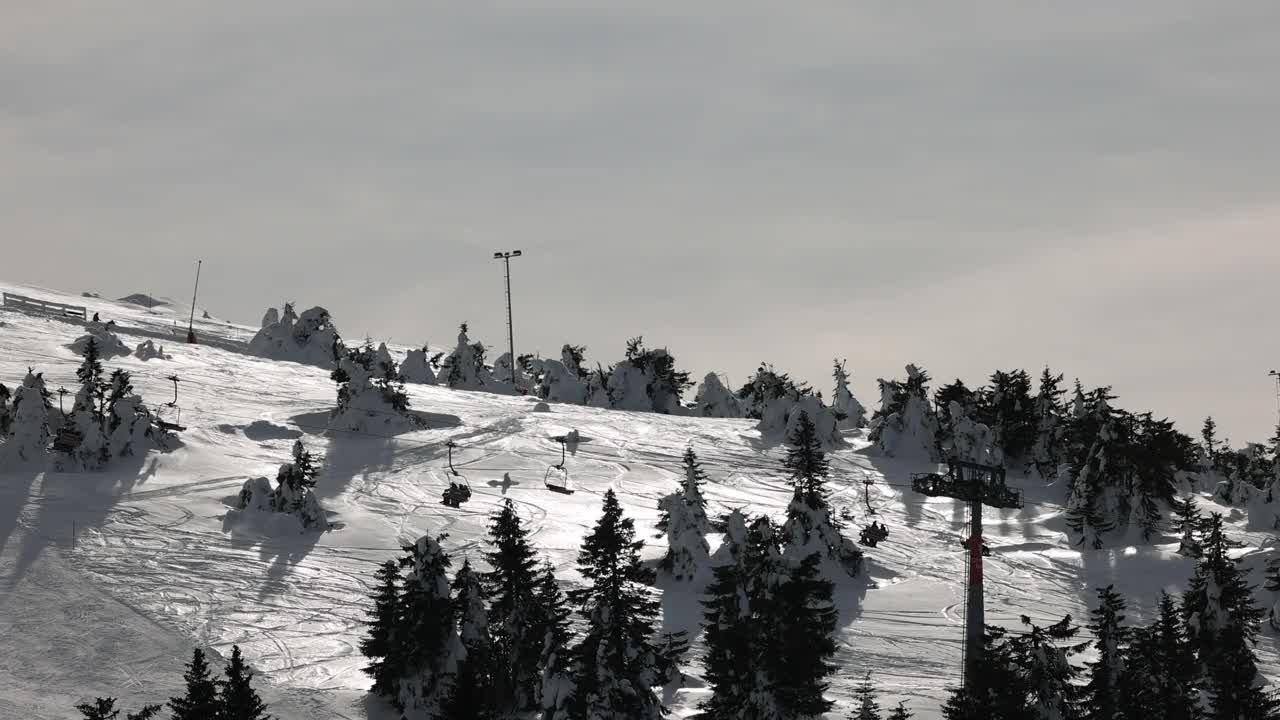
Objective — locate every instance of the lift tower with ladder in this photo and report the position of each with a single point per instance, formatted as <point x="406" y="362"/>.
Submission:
<point x="978" y="485"/>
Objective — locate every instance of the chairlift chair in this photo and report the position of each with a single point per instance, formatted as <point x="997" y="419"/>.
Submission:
<point x="873" y="534"/>
<point x="557" y="477"/>
<point x="174" y="425"/>
<point x="459" y="490"/>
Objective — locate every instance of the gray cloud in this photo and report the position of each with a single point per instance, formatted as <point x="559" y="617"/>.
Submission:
<point x="964" y="186"/>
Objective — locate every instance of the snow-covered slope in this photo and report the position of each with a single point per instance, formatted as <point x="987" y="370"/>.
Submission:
<point x="109" y="578"/>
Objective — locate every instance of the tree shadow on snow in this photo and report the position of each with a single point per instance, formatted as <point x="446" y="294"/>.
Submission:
<point x="348" y="458"/>
<point x="283" y="553"/>
<point x="15" y="489"/>
<point x="71" y="503"/>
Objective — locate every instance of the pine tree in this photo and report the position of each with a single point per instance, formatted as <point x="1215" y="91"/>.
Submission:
<point x="201" y="699"/>
<point x="1187" y="524"/>
<point x="1048" y="450"/>
<point x="430" y="635"/>
<point x="732" y="643"/>
<point x="849" y="412"/>
<point x="384" y="639"/>
<point x="900" y="712"/>
<point x="1105" y="691"/>
<point x="810" y="526"/>
<point x="1007" y="408"/>
<point x="555" y="684"/>
<point x="1001" y="689"/>
<point x="237" y="699"/>
<point x="682" y="517"/>
<point x="105" y="709"/>
<point x="866" y="706"/>
<point x="472" y="696"/>
<point x="1162" y="668"/>
<point x="88" y="413"/>
<point x="1209" y="441"/>
<point x="802" y="620"/>
<point x="511" y="589"/>
<point x="1223" y="622"/>
<point x="619" y="660"/>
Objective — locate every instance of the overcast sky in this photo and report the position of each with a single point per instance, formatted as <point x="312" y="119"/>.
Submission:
<point x="965" y="186"/>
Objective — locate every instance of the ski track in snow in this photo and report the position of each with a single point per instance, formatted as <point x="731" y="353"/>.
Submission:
<point x="295" y="605"/>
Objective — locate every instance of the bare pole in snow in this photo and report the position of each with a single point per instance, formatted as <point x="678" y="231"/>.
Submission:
<point x="191" y="333"/>
<point x="505" y="257"/>
<point x="1276" y="374"/>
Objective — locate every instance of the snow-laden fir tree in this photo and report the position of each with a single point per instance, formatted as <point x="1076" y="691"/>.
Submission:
<point x="810" y="526"/>
<point x="29" y="435"/>
<point x="370" y="399"/>
<point x="1047" y="451"/>
<point x="384" y="640"/>
<point x="1105" y="692"/>
<point x="516" y="623"/>
<point x="237" y="700"/>
<point x="733" y="645"/>
<point x="849" y="412"/>
<point x="130" y="426"/>
<point x="1187" y="525"/>
<point x="905" y="425"/>
<point x="1223" y="626"/>
<point x="1022" y="676"/>
<point x="417" y="367"/>
<point x="295" y="488"/>
<point x="561" y="380"/>
<point x="683" y="518"/>
<point x="1092" y="504"/>
<point x="1163" y="673"/>
<point x="801" y="623"/>
<point x="1006" y="406"/>
<point x="431" y="647"/>
<point x="955" y="394"/>
<point x="777" y="402"/>
<point x="310" y="339"/>
<point x="200" y="701"/>
<point x="900" y="712"/>
<point x="619" y="661"/>
<point x="647" y="380"/>
<point x="866" y="706"/>
<point x="1209" y="445"/>
<point x="556" y="684"/>
<point x="713" y="399"/>
<point x="464" y="368"/>
<point x="87" y="413"/>
<point x="970" y="441"/>
<point x="472" y="697"/>
<point x="147" y="350"/>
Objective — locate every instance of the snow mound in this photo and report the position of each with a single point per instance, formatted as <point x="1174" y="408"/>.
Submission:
<point x="143" y="300"/>
<point x="713" y="399"/>
<point x="416" y="367"/>
<point x="310" y="338"/>
<point x="261" y="430"/>
<point x="541" y="408"/>
<point x="109" y="344"/>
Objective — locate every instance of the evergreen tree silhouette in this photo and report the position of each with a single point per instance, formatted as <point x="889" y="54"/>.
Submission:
<point x="237" y="700"/>
<point x="201" y="699"/>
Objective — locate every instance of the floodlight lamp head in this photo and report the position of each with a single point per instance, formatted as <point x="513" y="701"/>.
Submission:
<point x="515" y="253"/>
<point x="497" y="256"/>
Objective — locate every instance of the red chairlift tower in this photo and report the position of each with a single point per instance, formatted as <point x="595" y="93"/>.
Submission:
<point x="978" y="485"/>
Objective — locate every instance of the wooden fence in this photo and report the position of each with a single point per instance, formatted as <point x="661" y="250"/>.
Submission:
<point x="22" y="303"/>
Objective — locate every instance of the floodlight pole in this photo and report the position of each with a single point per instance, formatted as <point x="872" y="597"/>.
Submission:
<point x="191" y="333"/>
<point x="505" y="257"/>
<point x="1276" y="374"/>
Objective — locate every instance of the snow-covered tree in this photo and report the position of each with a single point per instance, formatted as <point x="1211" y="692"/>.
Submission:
<point x="733" y="651"/>
<point x="1187" y="525"/>
<point x="1163" y="673"/>
<point x="87" y="415"/>
<point x="472" y="697"/>
<point x="905" y="425"/>
<point x="464" y="368"/>
<point x="200" y="702"/>
<point x="556" y="684"/>
<point x="619" y="659"/>
<point x="130" y="426"/>
<point x="715" y="400"/>
<point x="29" y="434"/>
<point x="801" y="625"/>
<point x="516" y="624"/>
<point x="371" y="396"/>
<point x="1047" y="451"/>
<point x="1108" y="679"/>
<point x="147" y="350"/>
<point x="900" y="712"/>
<point x="848" y="410"/>
<point x="1223" y="624"/>
<point x="646" y="380"/>
<point x="417" y="367"/>
<point x="384" y="640"/>
<point x="810" y="526"/>
<point x="558" y="382"/>
<point x="970" y="441"/>
<point x="106" y="343"/>
<point x="1006" y="406"/>
<point x="292" y="495"/>
<point x="310" y="338"/>
<point x="777" y="402"/>
<point x="237" y="700"/>
<point x="682" y="515"/>
<point x="1092" y="505"/>
<point x="431" y="647"/>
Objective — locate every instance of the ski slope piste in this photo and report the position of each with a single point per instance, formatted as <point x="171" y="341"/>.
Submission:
<point x="110" y="576"/>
